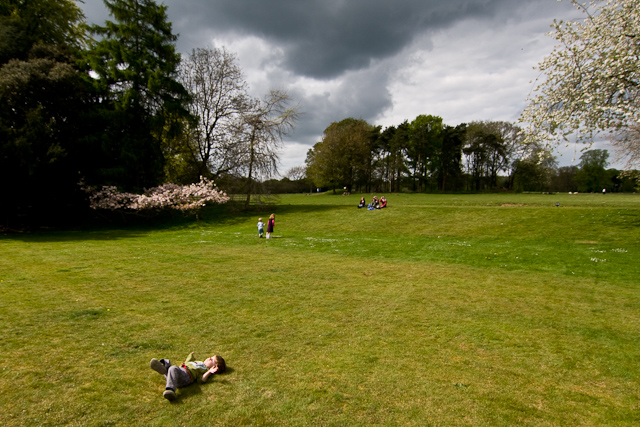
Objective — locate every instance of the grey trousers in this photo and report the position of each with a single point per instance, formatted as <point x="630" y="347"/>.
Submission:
<point x="176" y="376"/>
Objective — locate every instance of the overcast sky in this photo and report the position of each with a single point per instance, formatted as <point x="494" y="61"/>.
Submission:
<point x="384" y="61"/>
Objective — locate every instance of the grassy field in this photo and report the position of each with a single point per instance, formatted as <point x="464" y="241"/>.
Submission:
<point x="479" y="310"/>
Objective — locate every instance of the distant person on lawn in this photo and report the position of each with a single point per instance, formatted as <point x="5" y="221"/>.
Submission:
<point x="191" y="371"/>
<point x="260" y="227"/>
<point x="270" y="224"/>
<point x="383" y="203"/>
<point x="374" y="202"/>
<point x="362" y="203"/>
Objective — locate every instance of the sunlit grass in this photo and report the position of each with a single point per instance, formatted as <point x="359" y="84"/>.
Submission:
<point x="443" y="310"/>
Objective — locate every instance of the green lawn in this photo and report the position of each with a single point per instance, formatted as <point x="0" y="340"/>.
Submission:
<point x="480" y="310"/>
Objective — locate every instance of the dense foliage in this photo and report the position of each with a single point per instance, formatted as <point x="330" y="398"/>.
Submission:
<point x="42" y="102"/>
<point x="343" y="157"/>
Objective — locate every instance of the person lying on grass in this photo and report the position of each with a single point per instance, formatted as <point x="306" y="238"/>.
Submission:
<point x="191" y="371"/>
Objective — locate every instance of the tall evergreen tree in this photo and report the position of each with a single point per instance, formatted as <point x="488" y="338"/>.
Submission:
<point x="487" y="153"/>
<point x="449" y="170"/>
<point x="394" y="142"/>
<point x="425" y="144"/>
<point x="592" y="175"/>
<point x="534" y="171"/>
<point x="135" y="63"/>
<point x="41" y="98"/>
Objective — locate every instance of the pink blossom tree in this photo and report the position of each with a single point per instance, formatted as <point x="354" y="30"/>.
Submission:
<point x="185" y="198"/>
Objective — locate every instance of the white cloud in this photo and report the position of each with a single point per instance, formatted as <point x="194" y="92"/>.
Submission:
<point x="469" y="71"/>
<point x="293" y="155"/>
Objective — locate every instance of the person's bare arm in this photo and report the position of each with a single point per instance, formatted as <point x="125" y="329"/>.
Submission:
<point x="210" y="372"/>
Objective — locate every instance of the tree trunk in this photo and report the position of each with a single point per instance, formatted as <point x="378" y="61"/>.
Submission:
<point x="251" y="160"/>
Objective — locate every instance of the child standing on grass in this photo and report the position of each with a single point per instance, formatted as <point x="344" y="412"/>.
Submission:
<point x="270" y="224"/>
<point x="191" y="371"/>
<point x="260" y="228"/>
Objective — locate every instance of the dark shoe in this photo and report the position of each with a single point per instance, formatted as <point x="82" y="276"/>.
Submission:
<point x="158" y="366"/>
<point x="169" y="395"/>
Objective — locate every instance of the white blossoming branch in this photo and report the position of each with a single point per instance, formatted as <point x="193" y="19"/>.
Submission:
<point x="589" y="83"/>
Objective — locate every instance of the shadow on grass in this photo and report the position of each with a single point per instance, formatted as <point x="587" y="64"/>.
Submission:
<point x="119" y="227"/>
<point x="216" y="216"/>
<point x="75" y="235"/>
<point x="629" y="220"/>
<point x="196" y="388"/>
<point x="186" y="392"/>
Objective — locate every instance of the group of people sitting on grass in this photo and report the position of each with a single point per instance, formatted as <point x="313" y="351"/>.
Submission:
<point x="375" y="203"/>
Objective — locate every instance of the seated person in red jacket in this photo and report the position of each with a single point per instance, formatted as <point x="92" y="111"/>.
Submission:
<point x="383" y="203"/>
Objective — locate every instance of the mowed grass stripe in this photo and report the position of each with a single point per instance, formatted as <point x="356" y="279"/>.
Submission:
<point x="321" y="334"/>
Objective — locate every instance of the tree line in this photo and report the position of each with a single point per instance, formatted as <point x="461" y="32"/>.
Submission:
<point x="116" y="105"/>
<point x="426" y="155"/>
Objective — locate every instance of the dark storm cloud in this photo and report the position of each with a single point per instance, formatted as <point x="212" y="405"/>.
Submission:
<point x="361" y="96"/>
<point x="324" y="38"/>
